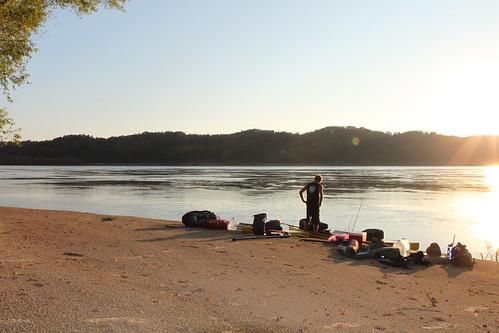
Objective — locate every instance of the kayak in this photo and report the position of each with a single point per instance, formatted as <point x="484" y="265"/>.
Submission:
<point x="297" y="232"/>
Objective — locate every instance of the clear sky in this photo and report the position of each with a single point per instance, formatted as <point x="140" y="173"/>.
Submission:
<point x="222" y="66"/>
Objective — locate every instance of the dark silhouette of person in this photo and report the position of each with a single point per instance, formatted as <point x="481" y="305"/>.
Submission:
<point x="315" y="194"/>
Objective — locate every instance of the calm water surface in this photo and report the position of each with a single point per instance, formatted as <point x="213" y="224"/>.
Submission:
<point x="425" y="204"/>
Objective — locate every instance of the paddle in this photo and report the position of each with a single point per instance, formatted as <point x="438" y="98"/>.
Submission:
<point x="284" y="235"/>
<point x="315" y="240"/>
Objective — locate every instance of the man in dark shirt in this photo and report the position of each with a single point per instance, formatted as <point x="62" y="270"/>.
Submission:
<point x="315" y="194"/>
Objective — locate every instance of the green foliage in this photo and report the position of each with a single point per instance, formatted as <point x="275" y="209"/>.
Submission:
<point x="7" y="131"/>
<point x="19" y="21"/>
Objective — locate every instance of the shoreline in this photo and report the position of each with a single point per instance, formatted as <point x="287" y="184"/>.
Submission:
<point x="64" y="271"/>
<point x="256" y="165"/>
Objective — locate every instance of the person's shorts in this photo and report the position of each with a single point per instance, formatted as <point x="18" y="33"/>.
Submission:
<point x="313" y="214"/>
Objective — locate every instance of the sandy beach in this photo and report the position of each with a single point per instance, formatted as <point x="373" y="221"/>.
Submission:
<point x="76" y="272"/>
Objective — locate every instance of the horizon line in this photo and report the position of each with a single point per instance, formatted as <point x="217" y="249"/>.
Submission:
<point x="266" y="130"/>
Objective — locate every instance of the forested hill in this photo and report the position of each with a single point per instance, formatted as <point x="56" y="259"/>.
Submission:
<point x="327" y="146"/>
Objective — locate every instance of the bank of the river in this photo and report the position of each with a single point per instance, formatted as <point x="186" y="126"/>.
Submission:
<point x="73" y="272"/>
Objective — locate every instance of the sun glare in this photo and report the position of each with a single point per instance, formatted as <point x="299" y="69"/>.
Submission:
<point x="463" y="99"/>
<point x="484" y="210"/>
<point x="492" y="177"/>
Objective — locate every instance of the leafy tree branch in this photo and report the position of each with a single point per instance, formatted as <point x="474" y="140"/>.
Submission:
<point x="7" y="131"/>
<point x="19" y="21"/>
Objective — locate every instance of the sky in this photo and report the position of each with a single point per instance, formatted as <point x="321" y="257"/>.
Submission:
<point x="223" y="66"/>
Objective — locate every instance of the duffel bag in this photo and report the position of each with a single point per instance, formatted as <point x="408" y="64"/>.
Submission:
<point x="273" y="225"/>
<point x="196" y="218"/>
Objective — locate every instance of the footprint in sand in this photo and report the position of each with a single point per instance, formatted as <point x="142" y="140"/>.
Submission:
<point x="342" y="325"/>
<point x="127" y="320"/>
<point x="476" y="309"/>
<point x="440" y="326"/>
<point x="15" y="321"/>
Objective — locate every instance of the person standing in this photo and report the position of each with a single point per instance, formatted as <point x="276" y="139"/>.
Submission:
<point x="315" y="194"/>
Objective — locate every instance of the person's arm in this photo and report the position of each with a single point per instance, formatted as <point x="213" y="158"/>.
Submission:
<point x="321" y="195"/>
<point x="301" y="193"/>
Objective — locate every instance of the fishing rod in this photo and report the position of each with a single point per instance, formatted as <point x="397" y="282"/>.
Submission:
<point x="358" y="211"/>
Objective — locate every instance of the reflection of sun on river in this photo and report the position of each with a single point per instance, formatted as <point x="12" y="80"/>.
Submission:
<point x="484" y="210"/>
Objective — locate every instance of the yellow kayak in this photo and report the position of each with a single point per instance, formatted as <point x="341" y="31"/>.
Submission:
<point x="297" y="232"/>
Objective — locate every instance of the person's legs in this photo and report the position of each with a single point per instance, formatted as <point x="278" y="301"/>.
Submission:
<point x="309" y="218"/>
<point x="315" y="220"/>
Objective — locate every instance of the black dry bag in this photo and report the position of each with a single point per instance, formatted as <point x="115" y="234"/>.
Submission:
<point x="196" y="218"/>
<point x="259" y="223"/>
<point x="273" y="225"/>
<point x="322" y="226"/>
<point x="374" y="234"/>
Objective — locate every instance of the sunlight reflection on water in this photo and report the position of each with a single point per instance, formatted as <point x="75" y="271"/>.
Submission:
<point x="483" y="209"/>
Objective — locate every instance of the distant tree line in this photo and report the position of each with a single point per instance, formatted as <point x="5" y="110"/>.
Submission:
<point x="327" y="146"/>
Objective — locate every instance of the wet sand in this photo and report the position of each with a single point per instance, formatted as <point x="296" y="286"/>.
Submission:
<point x="74" y="272"/>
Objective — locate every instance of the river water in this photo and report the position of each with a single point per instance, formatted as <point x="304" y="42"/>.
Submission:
<point x="425" y="204"/>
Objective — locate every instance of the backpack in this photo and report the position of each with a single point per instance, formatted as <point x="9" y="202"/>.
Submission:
<point x="323" y="227"/>
<point x="418" y="258"/>
<point x="349" y="248"/>
<point x="259" y="223"/>
<point x="434" y="250"/>
<point x="461" y="256"/>
<point x="273" y="225"/>
<point x="374" y="234"/>
<point x="196" y="218"/>
<point x="391" y="256"/>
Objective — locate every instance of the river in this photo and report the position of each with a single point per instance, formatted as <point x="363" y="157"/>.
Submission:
<point x="425" y="204"/>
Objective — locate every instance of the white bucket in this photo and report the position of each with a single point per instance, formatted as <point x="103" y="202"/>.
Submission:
<point x="404" y="247"/>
